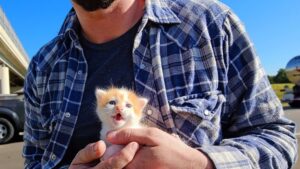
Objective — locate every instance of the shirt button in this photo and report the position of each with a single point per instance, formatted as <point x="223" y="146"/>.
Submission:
<point x="142" y="66"/>
<point x="149" y="112"/>
<point x="50" y="128"/>
<point x="67" y="114"/>
<point x="206" y="112"/>
<point x="53" y="157"/>
<point x="79" y="72"/>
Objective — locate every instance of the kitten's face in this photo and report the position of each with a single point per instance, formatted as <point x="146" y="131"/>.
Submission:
<point x="119" y="107"/>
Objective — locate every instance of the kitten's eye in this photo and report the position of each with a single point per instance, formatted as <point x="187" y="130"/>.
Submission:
<point x="128" y="105"/>
<point x="112" y="102"/>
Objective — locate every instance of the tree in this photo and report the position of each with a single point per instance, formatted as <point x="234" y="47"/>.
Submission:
<point x="271" y="79"/>
<point x="281" y="77"/>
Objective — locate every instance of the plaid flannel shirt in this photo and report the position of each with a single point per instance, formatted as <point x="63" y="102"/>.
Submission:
<point x="194" y="61"/>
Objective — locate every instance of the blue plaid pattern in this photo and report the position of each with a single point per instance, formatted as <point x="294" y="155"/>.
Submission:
<point x="196" y="65"/>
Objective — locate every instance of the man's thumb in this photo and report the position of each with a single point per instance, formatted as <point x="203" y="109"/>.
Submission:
<point x="90" y="153"/>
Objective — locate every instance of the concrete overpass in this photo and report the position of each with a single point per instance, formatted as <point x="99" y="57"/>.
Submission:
<point x="13" y="58"/>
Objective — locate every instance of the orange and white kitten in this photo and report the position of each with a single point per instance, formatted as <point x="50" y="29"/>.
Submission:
<point x="119" y="108"/>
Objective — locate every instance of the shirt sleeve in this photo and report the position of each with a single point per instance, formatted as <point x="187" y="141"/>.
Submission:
<point x="256" y="134"/>
<point x="34" y="134"/>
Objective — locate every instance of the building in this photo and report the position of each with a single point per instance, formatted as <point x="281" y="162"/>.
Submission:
<point x="13" y="58"/>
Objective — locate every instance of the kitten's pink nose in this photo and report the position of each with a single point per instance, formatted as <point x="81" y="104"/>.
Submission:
<point x="118" y="109"/>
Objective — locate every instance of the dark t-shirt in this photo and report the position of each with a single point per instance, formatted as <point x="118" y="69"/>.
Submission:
<point x="108" y="64"/>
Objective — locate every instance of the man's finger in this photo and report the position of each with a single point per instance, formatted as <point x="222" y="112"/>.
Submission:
<point x="121" y="159"/>
<point x="146" y="136"/>
<point x="90" y="153"/>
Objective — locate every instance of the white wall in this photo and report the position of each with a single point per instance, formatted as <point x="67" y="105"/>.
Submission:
<point x="4" y="80"/>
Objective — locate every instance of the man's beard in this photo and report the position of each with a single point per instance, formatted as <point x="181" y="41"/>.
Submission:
<point x="92" y="5"/>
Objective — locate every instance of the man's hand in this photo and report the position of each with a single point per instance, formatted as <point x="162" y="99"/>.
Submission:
<point x="85" y="157"/>
<point x="161" y="150"/>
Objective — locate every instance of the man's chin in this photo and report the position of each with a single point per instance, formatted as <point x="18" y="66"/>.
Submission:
<point x="93" y="5"/>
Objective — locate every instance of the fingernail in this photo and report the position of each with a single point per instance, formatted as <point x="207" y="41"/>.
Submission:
<point x="95" y="147"/>
<point x="111" y="134"/>
<point x="101" y="141"/>
<point x="134" y="145"/>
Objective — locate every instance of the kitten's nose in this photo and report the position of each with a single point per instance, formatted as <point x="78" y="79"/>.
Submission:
<point x="118" y="109"/>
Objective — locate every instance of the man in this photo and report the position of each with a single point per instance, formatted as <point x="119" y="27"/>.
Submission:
<point x="191" y="59"/>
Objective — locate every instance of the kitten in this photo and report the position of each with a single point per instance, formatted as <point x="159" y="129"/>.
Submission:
<point x="118" y="108"/>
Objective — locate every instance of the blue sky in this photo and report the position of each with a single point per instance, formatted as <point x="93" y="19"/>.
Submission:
<point x="273" y="25"/>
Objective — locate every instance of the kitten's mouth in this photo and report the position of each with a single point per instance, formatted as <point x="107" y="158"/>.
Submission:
<point x="118" y="117"/>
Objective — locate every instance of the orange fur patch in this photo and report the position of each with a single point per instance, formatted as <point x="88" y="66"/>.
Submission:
<point x="120" y="95"/>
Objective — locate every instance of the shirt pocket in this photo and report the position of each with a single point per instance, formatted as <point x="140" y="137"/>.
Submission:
<point x="49" y="120"/>
<point x="43" y="131"/>
<point x="197" y="117"/>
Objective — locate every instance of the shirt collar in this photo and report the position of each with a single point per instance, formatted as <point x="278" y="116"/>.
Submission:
<point x="71" y="23"/>
<point x="158" y="11"/>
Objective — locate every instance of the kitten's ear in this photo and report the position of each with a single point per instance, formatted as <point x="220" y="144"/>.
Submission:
<point x="143" y="102"/>
<point x="99" y="93"/>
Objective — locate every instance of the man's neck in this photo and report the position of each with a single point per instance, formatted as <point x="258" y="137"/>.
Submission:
<point x="105" y="25"/>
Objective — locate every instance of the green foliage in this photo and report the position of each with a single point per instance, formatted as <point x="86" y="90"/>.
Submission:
<point x="271" y="79"/>
<point x="279" y="78"/>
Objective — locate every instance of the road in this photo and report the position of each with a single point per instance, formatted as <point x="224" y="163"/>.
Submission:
<point x="10" y="154"/>
<point x="294" y="114"/>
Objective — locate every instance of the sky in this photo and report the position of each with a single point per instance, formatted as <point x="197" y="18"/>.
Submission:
<point x="273" y="25"/>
